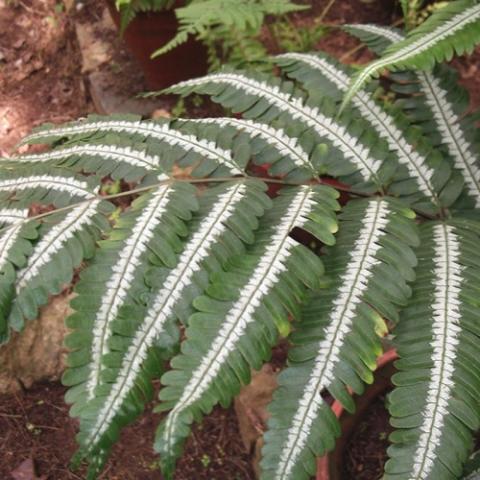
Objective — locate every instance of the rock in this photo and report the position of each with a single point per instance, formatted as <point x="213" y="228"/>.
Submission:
<point x="108" y="100"/>
<point x="251" y="409"/>
<point x="161" y="113"/>
<point x="37" y="353"/>
<point x="95" y="50"/>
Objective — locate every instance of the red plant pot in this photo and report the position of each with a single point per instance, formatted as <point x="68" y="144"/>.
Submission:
<point x="329" y="466"/>
<point x="151" y="30"/>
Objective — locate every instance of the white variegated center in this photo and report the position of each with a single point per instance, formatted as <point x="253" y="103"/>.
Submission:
<point x="353" y="283"/>
<point x="451" y="133"/>
<point x="383" y="123"/>
<point x="137" y="158"/>
<point x="275" y="137"/>
<point x="196" y="250"/>
<point x="55" y="239"/>
<point x="324" y="126"/>
<point x="49" y="182"/>
<point x="123" y="274"/>
<point x="241" y="314"/>
<point x="9" y="237"/>
<point x="162" y="132"/>
<point x="446" y="315"/>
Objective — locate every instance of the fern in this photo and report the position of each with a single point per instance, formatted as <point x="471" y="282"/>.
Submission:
<point x="437" y="374"/>
<point x="202" y="17"/>
<point x="437" y="103"/>
<point x="345" y="314"/>
<point x="129" y="9"/>
<point x="197" y="278"/>
<point x="452" y="29"/>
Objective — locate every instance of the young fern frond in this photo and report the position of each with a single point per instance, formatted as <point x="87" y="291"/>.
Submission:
<point x="243" y="309"/>
<point x="435" y="403"/>
<point x="454" y="28"/>
<point x="336" y="342"/>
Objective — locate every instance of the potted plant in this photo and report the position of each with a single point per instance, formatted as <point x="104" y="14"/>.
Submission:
<point x="174" y="40"/>
<point x="147" y="25"/>
<point x="199" y="278"/>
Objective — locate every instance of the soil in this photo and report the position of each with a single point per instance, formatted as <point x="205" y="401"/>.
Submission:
<point x="40" y="78"/>
<point x="365" y="453"/>
<point x="36" y="425"/>
<point x="366" y="450"/>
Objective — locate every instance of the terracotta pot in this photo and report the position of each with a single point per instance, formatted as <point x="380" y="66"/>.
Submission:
<point x="151" y="30"/>
<point x="329" y="466"/>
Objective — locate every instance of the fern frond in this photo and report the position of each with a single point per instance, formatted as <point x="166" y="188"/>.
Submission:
<point x="57" y="189"/>
<point x="243" y="318"/>
<point x="12" y="222"/>
<point x="226" y="218"/>
<point x="265" y="101"/>
<point x="103" y="159"/>
<point x="60" y="249"/>
<point x="202" y="16"/>
<point x="116" y="275"/>
<point x="16" y="235"/>
<point x="376" y="37"/>
<point x="313" y="68"/>
<point x="435" y="102"/>
<point x="161" y="132"/>
<point x="336" y="342"/>
<point x="453" y="131"/>
<point x="289" y="158"/>
<point x="435" y="403"/>
<point x="452" y="29"/>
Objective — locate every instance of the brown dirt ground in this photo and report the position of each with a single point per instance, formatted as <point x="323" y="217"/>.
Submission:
<point x="40" y="81"/>
<point x="365" y="451"/>
<point x="35" y="424"/>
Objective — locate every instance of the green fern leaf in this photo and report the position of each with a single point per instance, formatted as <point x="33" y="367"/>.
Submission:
<point x="435" y="403"/>
<point x="418" y="160"/>
<point x="243" y="317"/>
<point x="438" y="104"/>
<point x="16" y="235"/>
<point x="287" y="157"/>
<point x="350" y="160"/>
<point x="452" y="29"/>
<point x="47" y="188"/>
<point x="203" y="16"/>
<point x="102" y="159"/>
<point x="116" y="276"/>
<point x="64" y="241"/>
<point x="157" y="132"/>
<point x="336" y="342"/>
<point x="226" y="217"/>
